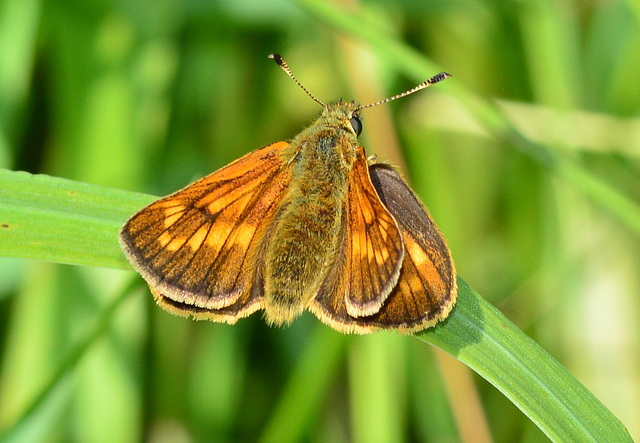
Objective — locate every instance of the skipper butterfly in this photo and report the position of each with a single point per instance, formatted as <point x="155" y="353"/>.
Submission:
<point x="307" y="224"/>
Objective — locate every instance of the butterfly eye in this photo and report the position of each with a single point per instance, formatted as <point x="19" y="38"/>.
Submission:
<point x="356" y="125"/>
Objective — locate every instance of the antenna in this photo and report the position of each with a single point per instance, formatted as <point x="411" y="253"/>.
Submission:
<point x="280" y="61"/>
<point x="432" y="81"/>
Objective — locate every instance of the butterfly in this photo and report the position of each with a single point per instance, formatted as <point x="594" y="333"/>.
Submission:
<point x="308" y="224"/>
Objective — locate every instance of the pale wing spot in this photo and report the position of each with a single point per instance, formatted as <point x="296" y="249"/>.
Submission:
<point x="243" y="235"/>
<point x="218" y="236"/>
<point x="403" y="287"/>
<point x="385" y="254"/>
<point x="370" y="253"/>
<point x="362" y="237"/>
<point x="355" y="245"/>
<point x="378" y="257"/>
<point x="368" y="215"/>
<point x="367" y="211"/>
<point x="172" y="205"/>
<point x="165" y="239"/>
<point x="222" y="201"/>
<point x="418" y="256"/>
<point x="425" y="267"/>
<point x="415" y="284"/>
<point x="219" y="204"/>
<point x="198" y="238"/>
<point x="172" y="218"/>
<point x="383" y="231"/>
<point x="384" y="225"/>
<point x="176" y="243"/>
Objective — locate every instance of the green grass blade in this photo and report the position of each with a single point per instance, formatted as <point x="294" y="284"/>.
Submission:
<point x="62" y="221"/>
<point x="479" y="335"/>
<point x="59" y="220"/>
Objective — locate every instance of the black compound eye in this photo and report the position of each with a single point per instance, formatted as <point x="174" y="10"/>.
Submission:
<point x="356" y="124"/>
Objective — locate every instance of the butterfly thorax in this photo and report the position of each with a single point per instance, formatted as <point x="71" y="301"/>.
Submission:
<point x="307" y="229"/>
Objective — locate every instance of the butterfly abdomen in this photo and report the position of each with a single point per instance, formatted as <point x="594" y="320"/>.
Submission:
<point x="306" y="231"/>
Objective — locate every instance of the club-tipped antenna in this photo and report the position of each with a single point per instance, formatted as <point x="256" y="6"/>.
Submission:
<point x="432" y="81"/>
<point x="280" y="61"/>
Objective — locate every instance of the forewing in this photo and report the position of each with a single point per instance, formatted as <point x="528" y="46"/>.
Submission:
<point x="374" y="247"/>
<point x="199" y="248"/>
<point x="426" y="289"/>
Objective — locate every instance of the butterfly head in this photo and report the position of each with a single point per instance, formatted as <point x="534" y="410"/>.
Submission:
<point x="343" y="115"/>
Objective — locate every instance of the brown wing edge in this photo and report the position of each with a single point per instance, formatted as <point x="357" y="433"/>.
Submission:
<point x="226" y="315"/>
<point x="397" y="197"/>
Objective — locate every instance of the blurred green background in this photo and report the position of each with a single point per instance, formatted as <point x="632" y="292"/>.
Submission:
<point x="150" y="95"/>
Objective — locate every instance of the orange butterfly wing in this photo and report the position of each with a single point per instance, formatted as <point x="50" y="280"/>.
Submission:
<point x="374" y="249"/>
<point x="200" y="249"/>
<point x="426" y="289"/>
